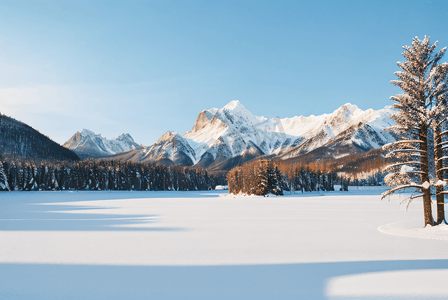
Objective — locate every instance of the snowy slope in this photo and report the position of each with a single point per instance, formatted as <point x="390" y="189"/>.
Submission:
<point x="348" y="127"/>
<point x="171" y="148"/>
<point x="233" y="133"/>
<point x="88" y="144"/>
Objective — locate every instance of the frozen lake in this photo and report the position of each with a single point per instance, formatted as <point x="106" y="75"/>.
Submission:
<point x="205" y="245"/>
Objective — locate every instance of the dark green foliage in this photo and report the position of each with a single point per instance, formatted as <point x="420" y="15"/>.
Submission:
<point x="28" y="175"/>
<point x="18" y="140"/>
<point x="3" y="179"/>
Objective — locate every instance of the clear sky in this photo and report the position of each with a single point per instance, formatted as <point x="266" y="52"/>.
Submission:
<point x="151" y="66"/>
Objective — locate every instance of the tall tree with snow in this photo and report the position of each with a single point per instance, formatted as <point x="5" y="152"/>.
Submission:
<point x="4" y="186"/>
<point x="439" y="125"/>
<point x="421" y="113"/>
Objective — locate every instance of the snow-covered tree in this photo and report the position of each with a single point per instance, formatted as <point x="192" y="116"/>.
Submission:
<point x="439" y="126"/>
<point x="421" y="113"/>
<point x="4" y="186"/>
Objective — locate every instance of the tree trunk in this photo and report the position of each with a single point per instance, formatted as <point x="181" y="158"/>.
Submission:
<point x="439" y="177"/>
<point x="427" y="210"/>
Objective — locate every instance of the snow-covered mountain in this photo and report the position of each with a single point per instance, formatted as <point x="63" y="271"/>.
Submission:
<point x="223" y="138"/>
<point x="88" y="144"/>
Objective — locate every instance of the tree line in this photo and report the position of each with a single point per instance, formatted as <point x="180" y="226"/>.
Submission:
<point x="34" y="175"/>
<point x="264" y="177"/>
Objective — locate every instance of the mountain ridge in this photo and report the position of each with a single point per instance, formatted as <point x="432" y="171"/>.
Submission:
<point x="232" y="135"/>
<point x="88" y="144"/>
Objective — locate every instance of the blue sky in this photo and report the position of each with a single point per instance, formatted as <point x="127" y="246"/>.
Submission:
<point x="151" y="66"/>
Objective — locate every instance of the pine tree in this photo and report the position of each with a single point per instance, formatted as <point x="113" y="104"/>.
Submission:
<point x="439" y="126"/>
<point x="420" y="108"/>
<point x="262" y="179"/>
<point x="4" y="186"/>
<point x="279" y="182"/>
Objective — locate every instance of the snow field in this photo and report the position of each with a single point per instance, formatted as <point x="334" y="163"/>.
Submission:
<point x="204" y="245"/>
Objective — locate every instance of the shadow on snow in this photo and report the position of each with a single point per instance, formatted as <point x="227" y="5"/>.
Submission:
<point x="289" y="281"/>
<point x="32" y="216"/>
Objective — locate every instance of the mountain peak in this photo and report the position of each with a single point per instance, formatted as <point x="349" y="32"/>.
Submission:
<point x="234" y="111"/>
<point x="234" y="104"/>
<point x="124" y="137"/>
<point x="167" y="136"/>
<point x="350" y="107"/>
<point x="87" y="132"/>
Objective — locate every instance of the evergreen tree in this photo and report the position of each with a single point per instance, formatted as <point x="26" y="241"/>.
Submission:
<point x="420" y="109"/>
<point x="4" y="185"/>
<point x="279" y="183"/>
<point x="262" y="179"/>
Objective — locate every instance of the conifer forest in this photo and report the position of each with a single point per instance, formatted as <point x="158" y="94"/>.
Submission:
<point x="30" y="175"/>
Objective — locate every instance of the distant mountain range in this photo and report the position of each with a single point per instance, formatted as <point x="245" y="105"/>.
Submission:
<point x="18" y="140"/>
<point x="219" y="139"/>
<point x="88" y="144"/>
<point x="223" y="138"/>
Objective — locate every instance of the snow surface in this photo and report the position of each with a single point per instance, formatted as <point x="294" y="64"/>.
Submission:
<point x="208" y="245"/>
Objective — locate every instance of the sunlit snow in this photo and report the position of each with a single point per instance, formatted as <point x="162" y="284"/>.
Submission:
<point x="206" y="245"/>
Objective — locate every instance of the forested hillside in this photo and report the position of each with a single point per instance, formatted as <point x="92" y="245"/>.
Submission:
<point x="18" y="140"/>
